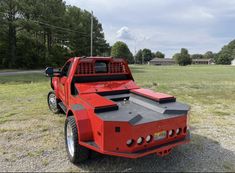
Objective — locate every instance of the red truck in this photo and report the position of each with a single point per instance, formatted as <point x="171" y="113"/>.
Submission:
<point x="107" y="112"/>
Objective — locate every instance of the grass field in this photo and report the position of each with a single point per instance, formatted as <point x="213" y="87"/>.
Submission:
<point x="32" y="137"/>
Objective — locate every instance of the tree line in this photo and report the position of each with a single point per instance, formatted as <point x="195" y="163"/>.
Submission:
<point x="120" y="50"/>
<point x="34" y="34"/>
<point x="224" y="56"/>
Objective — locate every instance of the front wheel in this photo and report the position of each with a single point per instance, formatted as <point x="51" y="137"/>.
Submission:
<point x="53" y="103"/>
<point x="75" y="151"/>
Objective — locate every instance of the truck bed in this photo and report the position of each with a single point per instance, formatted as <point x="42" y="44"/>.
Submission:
<point x="137" y="109"/>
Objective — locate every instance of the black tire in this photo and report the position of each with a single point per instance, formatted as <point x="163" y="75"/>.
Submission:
<point x="54" y="107"/>
<point x="80" y="153"/>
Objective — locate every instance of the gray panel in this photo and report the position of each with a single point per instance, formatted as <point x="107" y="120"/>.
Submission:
<point x="139" y="110"/>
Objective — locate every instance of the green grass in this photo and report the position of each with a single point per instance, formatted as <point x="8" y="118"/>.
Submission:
<point x="25" y="117"/>
<point x="23" y="78"/>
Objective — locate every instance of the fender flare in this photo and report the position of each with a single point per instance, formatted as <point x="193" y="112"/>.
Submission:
<point x="83" y="124"/>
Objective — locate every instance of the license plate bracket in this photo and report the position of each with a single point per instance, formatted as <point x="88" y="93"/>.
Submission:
<point x="159" y="135"/>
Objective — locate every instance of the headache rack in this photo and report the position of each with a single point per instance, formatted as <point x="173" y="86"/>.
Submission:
<point x="87" y="67"/>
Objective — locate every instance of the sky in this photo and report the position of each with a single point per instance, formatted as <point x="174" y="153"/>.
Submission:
<point x="165" y="25"/>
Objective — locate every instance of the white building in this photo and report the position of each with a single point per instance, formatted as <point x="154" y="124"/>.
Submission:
<point x="233" y="62"/>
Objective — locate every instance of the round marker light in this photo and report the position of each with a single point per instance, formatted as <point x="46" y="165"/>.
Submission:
<point x="129" y="142"/>
<point x="148" y="138"/>
<point x="140" y="140"/>
<point x="171" y="133"/>
<point x="178" y="131"/>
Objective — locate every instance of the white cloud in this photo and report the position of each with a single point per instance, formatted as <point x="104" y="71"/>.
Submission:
<point x="124" y="34"/>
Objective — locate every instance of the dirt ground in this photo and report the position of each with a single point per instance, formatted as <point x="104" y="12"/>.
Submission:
<point x="30" y="152"/>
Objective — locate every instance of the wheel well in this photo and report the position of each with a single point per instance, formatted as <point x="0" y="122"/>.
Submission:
<point x="52" y="86"/>
<point x="70" y="113"/>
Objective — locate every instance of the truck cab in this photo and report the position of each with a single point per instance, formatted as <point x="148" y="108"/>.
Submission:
<point x="107" y="112"/>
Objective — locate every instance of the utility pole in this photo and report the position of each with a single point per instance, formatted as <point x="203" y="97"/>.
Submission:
<point x="135" y="51"/>
<point x="91" y="33"/>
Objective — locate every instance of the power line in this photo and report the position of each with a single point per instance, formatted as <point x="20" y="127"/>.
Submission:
<point x="83" y="34"/>
<point x="65" y="29"/>
<point x="61" y="28"/>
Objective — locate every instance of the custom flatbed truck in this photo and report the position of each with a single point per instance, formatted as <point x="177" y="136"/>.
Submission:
<point x="106" y="112"/>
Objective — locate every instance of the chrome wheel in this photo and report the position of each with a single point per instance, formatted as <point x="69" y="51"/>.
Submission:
<point x="75" y="151"/>
<point x="70" y="141"/>
<point x="52" y="102"/>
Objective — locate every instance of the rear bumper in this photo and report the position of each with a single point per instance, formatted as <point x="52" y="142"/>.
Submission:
<point x="142" y="153"/>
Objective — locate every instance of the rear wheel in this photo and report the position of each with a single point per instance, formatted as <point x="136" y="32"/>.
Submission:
<point x="75" y="151"/>
<point x="53" y="103"/>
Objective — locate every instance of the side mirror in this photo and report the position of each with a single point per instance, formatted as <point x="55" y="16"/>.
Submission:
<point x="49" y="71"/>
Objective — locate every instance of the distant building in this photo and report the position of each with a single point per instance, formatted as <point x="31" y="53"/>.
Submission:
<point x="169" y="61"/>
<point x="162" y="61"/>
<point x="202" y="61"/>
<point x="233" y="62"/>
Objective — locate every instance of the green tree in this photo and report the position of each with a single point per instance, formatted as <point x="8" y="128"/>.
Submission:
<point x="139" y="57"/>
<point x="159" y="54"/>
<point x="196" y="56"/>
<point x="9" y="24"/>
<point x="208" y="55"/>
<point x="79" y="41"/>
<point x="183" y="58"/>
<point x="39" y="33"/>
<point x="226" y="55"/>
<point x="121" y="50"/>
<point x="224" y="59"/>
<point x="147" y="55"/>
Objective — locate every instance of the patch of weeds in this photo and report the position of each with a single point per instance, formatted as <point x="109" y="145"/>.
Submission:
<point x="195" y="87"/>
<point x="228" y="166"/>
<point x="7" y="130"/>
<point x="45" y="162"/>
<point x="35" y="153"/>
<point x="216" y="142"/>
<point x="19" y="134"/>
<point x="45" y="129"/>
<point x="220" y="113"/>
<point x="8" y="115"/>
<point x="5" y="117"/>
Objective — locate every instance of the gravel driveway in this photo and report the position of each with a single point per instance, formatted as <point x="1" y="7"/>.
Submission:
<point x="209" y="150"/>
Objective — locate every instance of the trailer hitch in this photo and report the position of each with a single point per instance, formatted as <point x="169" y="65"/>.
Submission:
<point x="164" y="152"/>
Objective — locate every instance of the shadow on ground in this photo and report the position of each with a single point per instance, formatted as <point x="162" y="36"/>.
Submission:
<point x="202" y="154"/>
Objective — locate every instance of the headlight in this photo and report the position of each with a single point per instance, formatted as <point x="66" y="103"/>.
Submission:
<point x="148" y="138"/>
<point x="140" y="140"/>
<point x="129" y="142"/>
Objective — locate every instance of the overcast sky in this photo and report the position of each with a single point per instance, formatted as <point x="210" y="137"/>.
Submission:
<point x="165" y="25"/>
